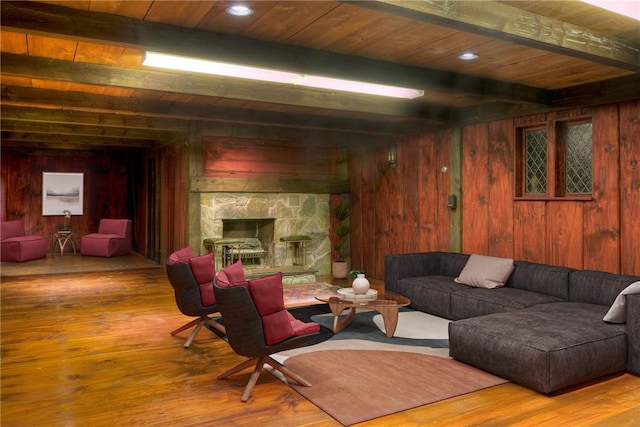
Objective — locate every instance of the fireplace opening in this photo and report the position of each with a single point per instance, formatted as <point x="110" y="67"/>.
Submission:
<point x="248" y="240"/>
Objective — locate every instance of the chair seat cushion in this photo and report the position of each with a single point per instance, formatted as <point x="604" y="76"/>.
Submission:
<point x="302" y="328"/>
<point x="24" y="248"/>
<point x="277" y="322"/>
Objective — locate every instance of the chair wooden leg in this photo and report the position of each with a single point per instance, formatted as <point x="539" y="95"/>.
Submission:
<point x="253" y="379"/>
<point x="287" y="372"/>
<point x="215" y="325"/>
<point x="241" y="367"/>
<point x="194" y="333"/>
<point x="186" y="326"/>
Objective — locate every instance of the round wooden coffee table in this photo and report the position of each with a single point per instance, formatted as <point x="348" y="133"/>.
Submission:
<point x="386" y="304"/>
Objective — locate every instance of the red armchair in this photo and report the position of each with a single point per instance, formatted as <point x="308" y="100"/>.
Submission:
<point x="113" y="238"/>
<point x="18" y="247"/>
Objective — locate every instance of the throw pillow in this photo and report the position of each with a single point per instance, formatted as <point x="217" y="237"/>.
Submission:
<point x="232" y="275"/>
<point x="268" y="297"/>
<point x="182" y="255"/>
<point x="618" y="311"/>
<point x="203" y="270"/>
<point x="488" y="272"/>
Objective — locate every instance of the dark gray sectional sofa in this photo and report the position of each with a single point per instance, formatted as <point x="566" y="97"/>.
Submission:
<point x="543" y="329"/>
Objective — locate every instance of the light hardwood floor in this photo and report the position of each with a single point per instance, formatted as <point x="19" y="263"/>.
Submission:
<point x="94" y="349"/>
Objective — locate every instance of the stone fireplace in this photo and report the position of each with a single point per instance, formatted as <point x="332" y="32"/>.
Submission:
<point x="270" y="217"/>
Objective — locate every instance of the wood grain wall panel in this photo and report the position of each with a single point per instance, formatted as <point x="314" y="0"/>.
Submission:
<point x="530" y="231"/>
<point x="501" y="191"/>
<point x="601" y="215"/>
<point x="475" y="181"/>
<point x="370" y="208"/>
<point x="356" y="185"/>
<point x="409" y="196"/>
<point x="442" y="156"/>
<point x="565" y="233"/>
<point x="398" y="220"/>
<point x="630" y="187"/>
<point x="383" y="209"/>
<point x="256" y="158"/>
<point x="427" y="192"/>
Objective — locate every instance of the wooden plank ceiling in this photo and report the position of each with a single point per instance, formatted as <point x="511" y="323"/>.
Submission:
<point x="72" y="74"/>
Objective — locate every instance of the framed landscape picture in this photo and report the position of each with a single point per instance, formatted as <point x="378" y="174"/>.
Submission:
<point x="62" y="192"/>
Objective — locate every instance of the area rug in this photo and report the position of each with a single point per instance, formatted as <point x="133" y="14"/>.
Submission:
<point x="359" y="374"/>
<point x="353" y="386"/>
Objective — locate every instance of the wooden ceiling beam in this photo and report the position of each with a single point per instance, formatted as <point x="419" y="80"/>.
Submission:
<point x="84" y="130"/>
<point x="80" y="101"/>
<point x="31" y="114"/>
<point x="58" y="21"/>
<point x="596" y="93"/>
<point x="44" y="141"/>
<point x="189" y="83"/>
<point x="511" y="24"/>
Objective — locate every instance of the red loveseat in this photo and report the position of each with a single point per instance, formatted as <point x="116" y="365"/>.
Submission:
<point x="16" y="246"/>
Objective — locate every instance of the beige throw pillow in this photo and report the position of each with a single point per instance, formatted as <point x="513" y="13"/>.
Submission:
<point x="485" y="272"/>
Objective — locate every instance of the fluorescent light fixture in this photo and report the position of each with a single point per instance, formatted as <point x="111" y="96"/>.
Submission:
<point x="183" y="63"/>
<point x="628" y="8"/>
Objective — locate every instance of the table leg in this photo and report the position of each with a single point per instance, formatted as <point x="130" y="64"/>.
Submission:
<point x="390" y="318"/>
<point x="338" y="322"/>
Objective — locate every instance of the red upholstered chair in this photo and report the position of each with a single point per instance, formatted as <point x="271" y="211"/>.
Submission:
<point x="257" y="323"/>
<point x="192" y="281"/>
<point x="113" y="238"/>
<point x="15" y="246"/>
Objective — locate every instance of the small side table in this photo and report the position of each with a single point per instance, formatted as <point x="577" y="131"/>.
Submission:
<point x="298" y="251"/>
<point x="64" y="237"/>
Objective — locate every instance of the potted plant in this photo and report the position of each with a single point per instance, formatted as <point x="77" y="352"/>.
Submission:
<point x="340" y="267"/>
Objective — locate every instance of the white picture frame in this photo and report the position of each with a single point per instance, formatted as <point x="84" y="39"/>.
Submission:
<point x="62" y="192"/>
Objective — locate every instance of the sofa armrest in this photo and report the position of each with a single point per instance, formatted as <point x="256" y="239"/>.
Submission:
<point x="633" y="333"/>
<point x="398" y="266"/>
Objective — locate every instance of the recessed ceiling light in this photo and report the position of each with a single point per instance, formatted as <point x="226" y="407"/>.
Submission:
<point x="239" y="10"/>
<point x="468" y="56"/>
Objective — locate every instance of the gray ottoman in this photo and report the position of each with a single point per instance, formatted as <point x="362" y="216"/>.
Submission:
<point x="546" y="347"/>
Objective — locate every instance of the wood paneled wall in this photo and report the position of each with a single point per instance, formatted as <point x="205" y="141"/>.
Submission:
<point x="401" y="209"/>
<point x="111" y="190"/>
<point x="601" y="234"/>
<point x="404" y="209"/>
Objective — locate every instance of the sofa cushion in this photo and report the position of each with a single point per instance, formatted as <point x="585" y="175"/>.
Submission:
<point x="546" y="347"/>
<point x="597" y="287"/>
<point x="474" y="302"/>
<point x="543" y="278"/>
<point x="431" y="294"/>
<point x="482" y="271"/>
<point x="618" y="311"/>
<point x="451" y="263"/>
